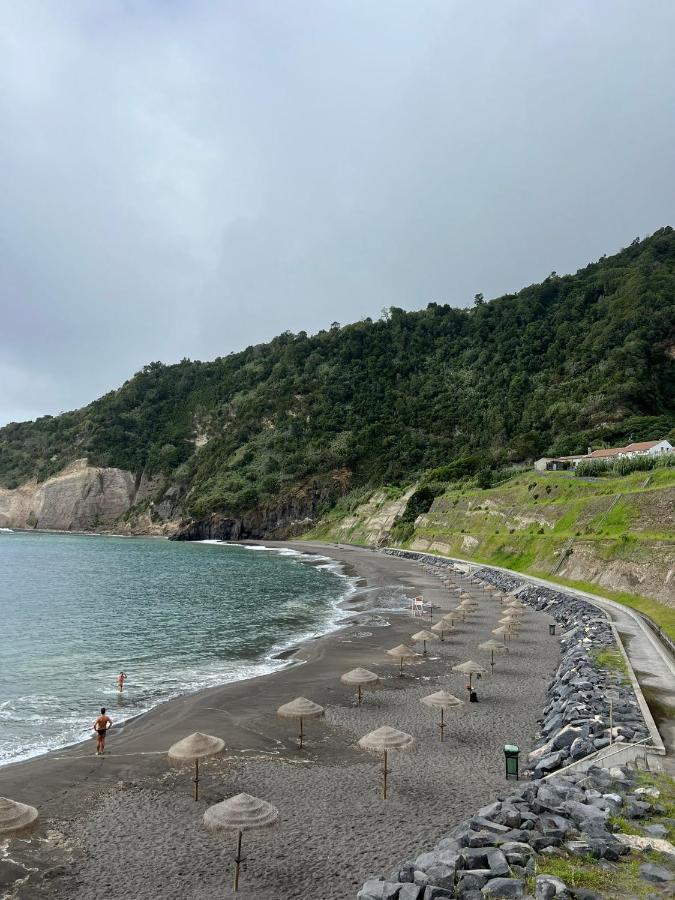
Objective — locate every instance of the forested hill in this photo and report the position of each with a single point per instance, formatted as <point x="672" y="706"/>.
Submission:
<point x="576" y="360"/>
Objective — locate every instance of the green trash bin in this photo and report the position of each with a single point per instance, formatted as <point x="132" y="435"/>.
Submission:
<point x="511" y="753"/>
<point x="551" y="628"/>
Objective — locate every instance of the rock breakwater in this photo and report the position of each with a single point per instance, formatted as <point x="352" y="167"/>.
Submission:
<point x="503" y="850"/>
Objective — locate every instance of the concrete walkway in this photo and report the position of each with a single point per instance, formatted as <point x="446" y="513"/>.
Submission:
<point x="653" y="663"/>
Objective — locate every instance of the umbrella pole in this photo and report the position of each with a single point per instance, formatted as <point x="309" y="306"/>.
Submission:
<point x="359" y="695"/>
<point x="424" y="651"/>
<point x="301" y="732"/>
<point x="385" y="773"/>
<point x="401" y="672"/>
<point x="237" y="862"/>
<point x="196" y="779"/>
<point x="442" y="725"/>
<point x="492" y="661"/>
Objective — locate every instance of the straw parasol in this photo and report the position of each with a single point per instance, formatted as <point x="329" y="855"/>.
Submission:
<point x="513" y="623"/>
<point x="469" y="668"/>
<point x="384" y="740"/>
<point x="504" y="632"/>
<point x="442" y="628"/>
<point x="241" y="813"/>
<point x="15" y="817"/>
<point x="359" y="678"/>
<point x="402" y="652"/>
<point x="493" y="647"/>
<point x="424" y="636"/>
<point x="300" y="708"/>
<point x="193" y="748"/>
<point x="443" y="700"/>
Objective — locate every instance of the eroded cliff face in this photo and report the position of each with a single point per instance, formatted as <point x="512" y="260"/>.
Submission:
<point x="80" y="498"/>
<point x="289" y="517"/>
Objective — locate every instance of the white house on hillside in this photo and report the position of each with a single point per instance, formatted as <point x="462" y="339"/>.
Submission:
<point x="642" y="448"/>
<point x="647" y="448"/>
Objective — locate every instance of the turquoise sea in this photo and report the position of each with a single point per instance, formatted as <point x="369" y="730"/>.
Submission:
<point x="177" y="617"/>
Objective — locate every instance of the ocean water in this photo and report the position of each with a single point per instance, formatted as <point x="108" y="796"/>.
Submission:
<point x="75" y="610"/>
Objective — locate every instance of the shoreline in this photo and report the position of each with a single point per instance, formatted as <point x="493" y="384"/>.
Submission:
<point x="96" y="811"/>
<point x="283" y="655"/>
<point x="298" y="654"/>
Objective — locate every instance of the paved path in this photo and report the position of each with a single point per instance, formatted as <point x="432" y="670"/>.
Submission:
<point x="653" y="663"/>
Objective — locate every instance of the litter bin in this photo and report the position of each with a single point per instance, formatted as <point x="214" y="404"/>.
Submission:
<point x="551" y="628"/>
<point x="511" y="753"/>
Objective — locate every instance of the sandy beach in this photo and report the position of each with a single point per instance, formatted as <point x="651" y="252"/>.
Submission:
<point x="126" y="825"/>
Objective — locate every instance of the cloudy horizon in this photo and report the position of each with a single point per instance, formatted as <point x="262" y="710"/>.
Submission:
<point x="185" y="179"/>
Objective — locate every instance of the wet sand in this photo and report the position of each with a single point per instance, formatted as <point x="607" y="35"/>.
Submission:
<point x="126" y="825"/>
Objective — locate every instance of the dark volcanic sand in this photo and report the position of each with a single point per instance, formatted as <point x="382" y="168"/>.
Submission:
<point x="125" y="826"/>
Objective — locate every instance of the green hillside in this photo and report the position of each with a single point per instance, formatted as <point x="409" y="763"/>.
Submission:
<point x="614" y="536"/>
<point x="576" y="360"/>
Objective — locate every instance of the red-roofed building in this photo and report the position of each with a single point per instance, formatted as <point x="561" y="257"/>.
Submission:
<point x="641" y="448"/>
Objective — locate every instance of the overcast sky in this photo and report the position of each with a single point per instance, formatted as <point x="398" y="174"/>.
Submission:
<point x="187" y="178"/>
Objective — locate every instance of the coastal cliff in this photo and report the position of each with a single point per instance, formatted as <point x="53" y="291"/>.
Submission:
<point x="290" y="517"/>
<point x="86" y="498"/>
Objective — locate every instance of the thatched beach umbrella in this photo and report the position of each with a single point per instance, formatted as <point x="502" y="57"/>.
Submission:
<point x="493" y="647"/>
<point x="16" y="818"/>
<point x="442" y="628"/>
<point x="385" y="740"/>
<point x="424" y="636"/>
<point x="469" y="668"/>
<point x="443" y="700"/>
<point x="240" y="814"/>
<point x="300" y="708"/>
<point x="504" y="632"/>
<point x="193" y="748"/>
<point x="513" y="623"/>
<point x="402" y="652"/>
<point x="359" y="678"/>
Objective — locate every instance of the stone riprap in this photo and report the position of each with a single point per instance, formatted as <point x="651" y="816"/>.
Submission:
<point x="575" y="722"/>
<point x="502" y="850"/>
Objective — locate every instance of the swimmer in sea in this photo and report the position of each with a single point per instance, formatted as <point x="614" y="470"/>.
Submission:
<point x="121" y="678"/>
<point x="101" y="726"/>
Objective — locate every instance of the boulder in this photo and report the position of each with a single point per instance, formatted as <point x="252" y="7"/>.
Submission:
<point x="410" y="892"/>
<point x="498" y="864"/>
<point x="481" y="839"/>
<point x="441" y="875"/>
<point x="433" y="892"/>
<point x="657" y="831"/>
<point x="478" y="823"/>
<point x="548" y="886"/>
<point x="379" y="890"/>
<point x="565" y="737"/>
<point x="472" y="880"/>
<point x="512" y="888"/>
<point x="655" y="874"/>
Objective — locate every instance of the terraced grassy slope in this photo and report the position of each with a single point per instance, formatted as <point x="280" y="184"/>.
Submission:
<point x="614" y="536"/>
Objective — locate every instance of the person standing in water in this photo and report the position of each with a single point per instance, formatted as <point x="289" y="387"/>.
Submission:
<point x="121" y="678"/>
<point x="101" y="726"/>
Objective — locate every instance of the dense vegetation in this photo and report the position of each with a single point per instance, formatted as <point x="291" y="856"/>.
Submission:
<point x="623" y="465"/>
<point x="576" y="360"/>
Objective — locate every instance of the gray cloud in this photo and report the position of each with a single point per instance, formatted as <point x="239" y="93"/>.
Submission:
<point x="183" y="179"/>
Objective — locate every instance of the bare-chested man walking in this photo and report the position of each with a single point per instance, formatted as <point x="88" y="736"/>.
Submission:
<point x="101" y="726"/>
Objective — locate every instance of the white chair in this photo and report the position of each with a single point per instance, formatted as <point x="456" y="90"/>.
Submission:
<point x="417" y="606"/>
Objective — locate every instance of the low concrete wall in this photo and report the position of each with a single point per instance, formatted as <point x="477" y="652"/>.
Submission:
<point x="619" y="754"/>
<point x="657" y="746"/>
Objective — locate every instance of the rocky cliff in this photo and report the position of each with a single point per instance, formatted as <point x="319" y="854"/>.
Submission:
<point x="291" y="516"/>
<point x="87" y="498"/>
